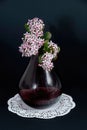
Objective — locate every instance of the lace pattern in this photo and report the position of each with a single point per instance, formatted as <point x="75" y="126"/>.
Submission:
<point x="60" y="108"/>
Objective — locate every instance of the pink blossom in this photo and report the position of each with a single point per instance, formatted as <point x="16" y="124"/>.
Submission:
<point x="33" y="41"/>
<point x="54" y="48"/>
<point x="36" y="26"/>
<point x="47" y="63"/>
<point x="30" y="45"/>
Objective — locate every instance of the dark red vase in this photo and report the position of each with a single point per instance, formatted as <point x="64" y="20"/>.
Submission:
<point x="39" y="88"/>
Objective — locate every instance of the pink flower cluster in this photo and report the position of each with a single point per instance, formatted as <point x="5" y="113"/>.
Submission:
<point x="36" y="26"/>
<point x="33" y="41"/>
<point x="54" y="48"/>
<point x="47" y="58"/>
<point x="31" y="44"/>
<point x="47" y="63"/>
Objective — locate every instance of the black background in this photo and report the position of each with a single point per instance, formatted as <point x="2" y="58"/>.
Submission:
<point x="67" y="21"/>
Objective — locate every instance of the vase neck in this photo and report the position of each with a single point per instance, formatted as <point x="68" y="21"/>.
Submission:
<point x="34" y="60"/>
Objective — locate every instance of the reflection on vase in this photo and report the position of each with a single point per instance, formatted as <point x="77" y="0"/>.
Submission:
<point x="39" y="88"/>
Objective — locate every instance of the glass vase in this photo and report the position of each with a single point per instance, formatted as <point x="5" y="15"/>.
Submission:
<point x="39" y="88"/>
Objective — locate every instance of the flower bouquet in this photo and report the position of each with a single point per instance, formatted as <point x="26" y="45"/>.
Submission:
<point x="39" y="86"/>
<point x="35" y="41"/>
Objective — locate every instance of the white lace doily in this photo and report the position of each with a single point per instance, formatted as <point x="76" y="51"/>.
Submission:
<point x="60" y="108"/>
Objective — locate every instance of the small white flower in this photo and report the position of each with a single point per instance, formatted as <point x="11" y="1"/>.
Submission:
<point x="47" y="63"/>
<point x="55" y="49"/>
<point x="36" y="26"/>
<point x="31" y="44"/>
<point x="33" y="41"/>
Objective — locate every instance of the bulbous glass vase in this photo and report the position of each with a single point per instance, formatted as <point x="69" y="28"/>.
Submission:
<point x="39" y="88"/>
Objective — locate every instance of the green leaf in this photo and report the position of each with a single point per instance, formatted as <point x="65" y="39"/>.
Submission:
<point x="58" y="49"/>
<point x="46" y="48"/>
<point x="47" y="36"/>
<point x="27" y="27"/>
<point x="45" y="45"/>
<point x="40" y="61"/>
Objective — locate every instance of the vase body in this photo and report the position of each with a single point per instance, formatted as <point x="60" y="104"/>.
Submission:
<point x="39" y="88"/>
